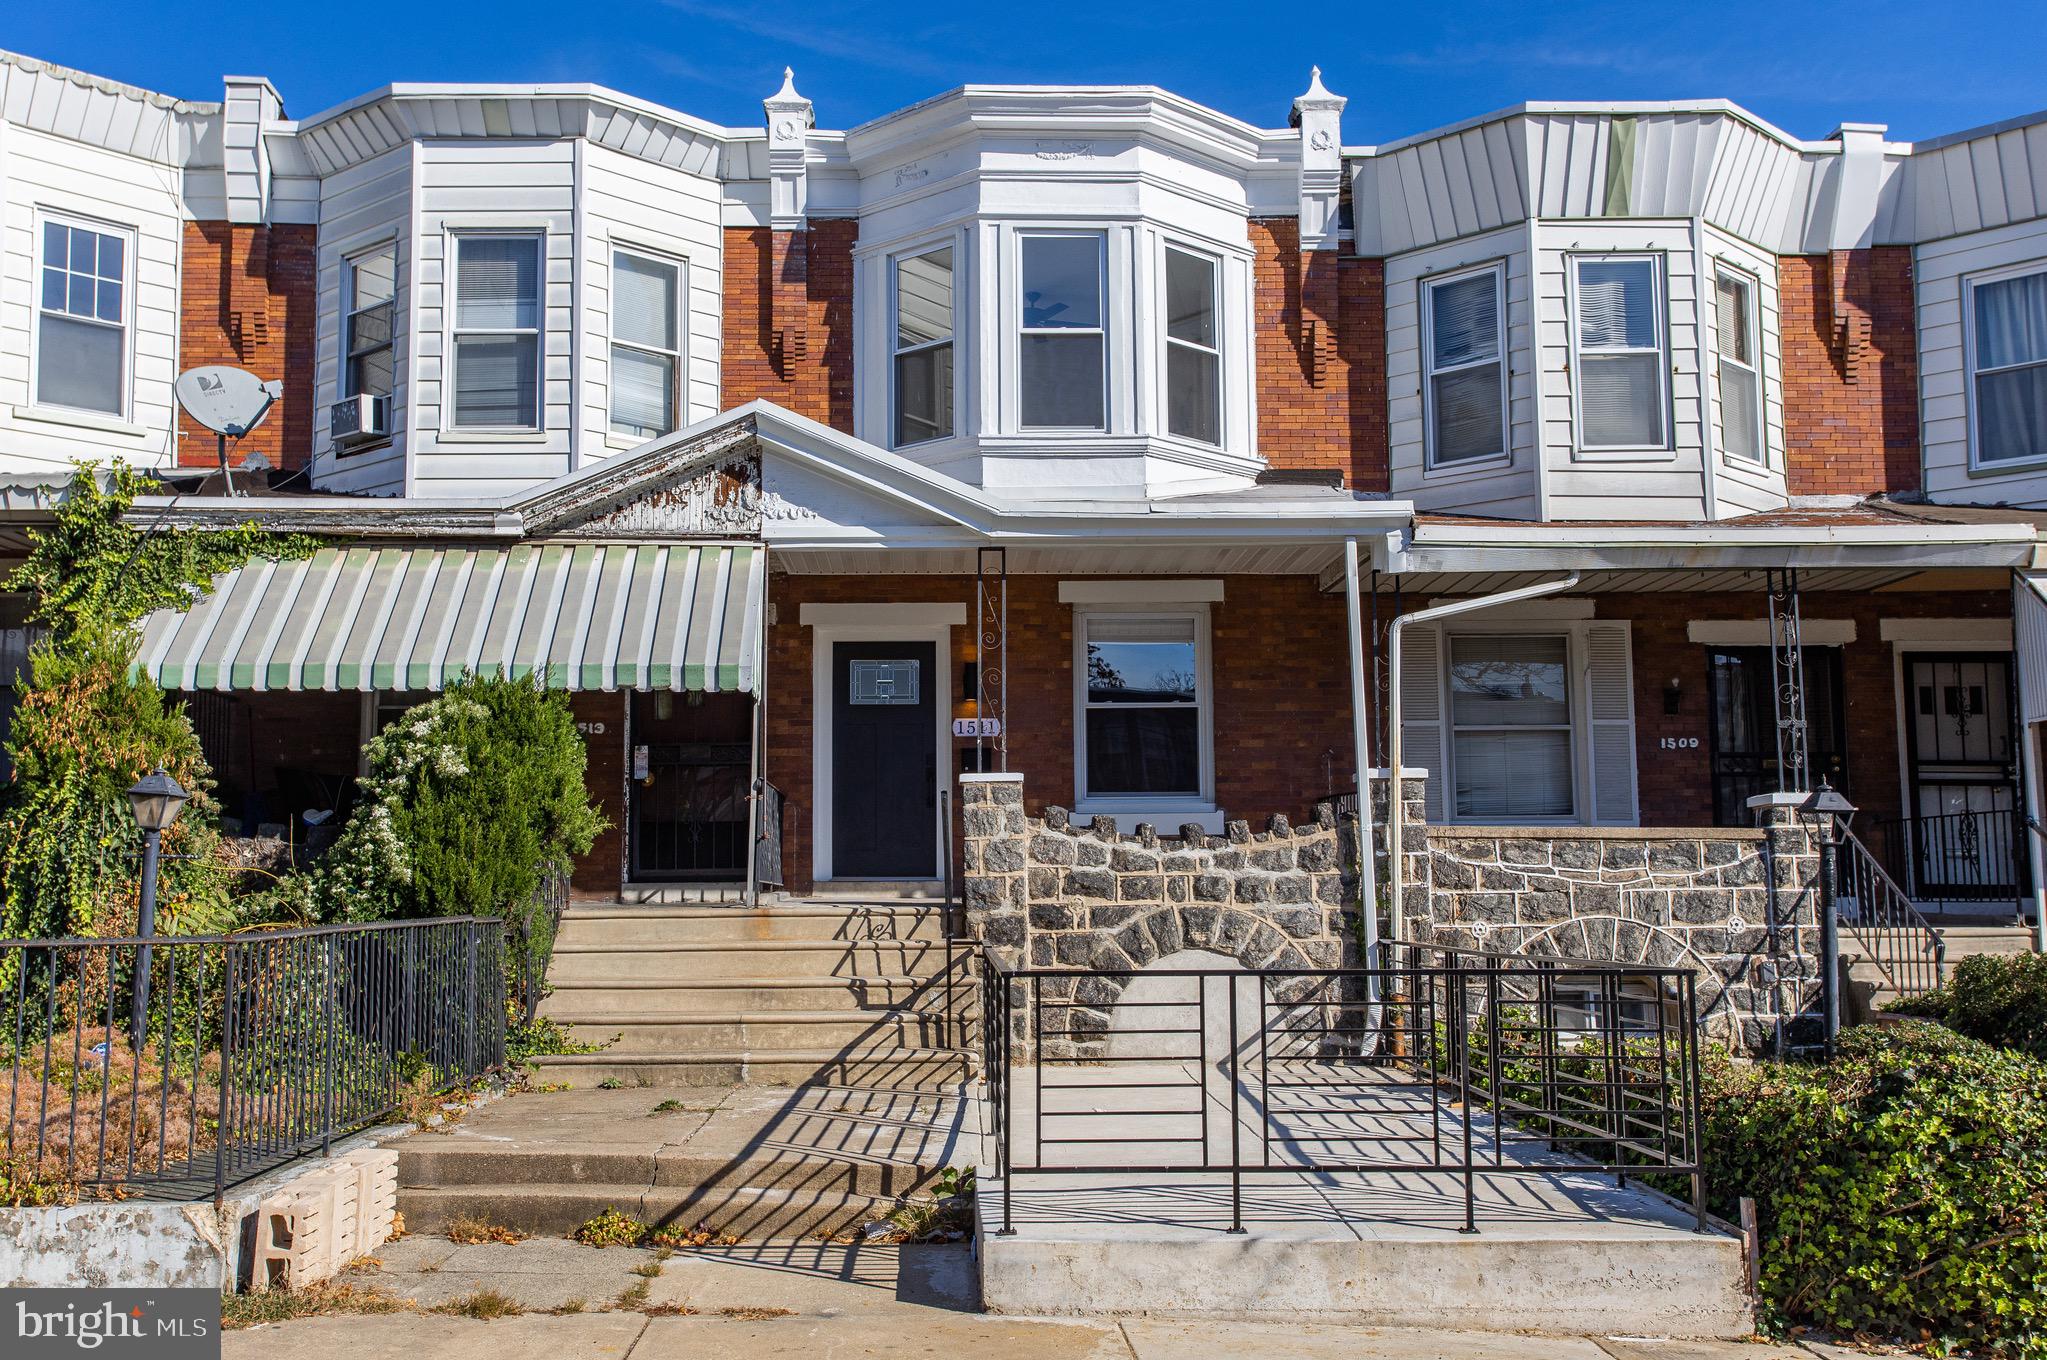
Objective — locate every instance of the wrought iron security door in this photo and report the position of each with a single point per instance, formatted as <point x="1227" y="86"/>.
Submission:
<point x="1963" y="835"/>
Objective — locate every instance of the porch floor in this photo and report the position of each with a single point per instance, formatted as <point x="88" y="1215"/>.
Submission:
<point x="1556" y="1248"/>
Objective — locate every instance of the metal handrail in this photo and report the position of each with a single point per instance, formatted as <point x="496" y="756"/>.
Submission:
<point x="245" y="1051"/>
<point x="1889" y="928"/>
<point x="1479" y="1055"/>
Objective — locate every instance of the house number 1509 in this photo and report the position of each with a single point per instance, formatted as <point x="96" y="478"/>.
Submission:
<point x="1679" y="743"/>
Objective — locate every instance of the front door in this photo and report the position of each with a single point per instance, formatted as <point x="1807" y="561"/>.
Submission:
<point x="1960" y="762"/>
<point x="690" y="759"/>
<point x="884" y="760"/>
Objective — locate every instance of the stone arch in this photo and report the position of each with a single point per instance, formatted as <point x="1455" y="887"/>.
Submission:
<point x="1616" y="939"/>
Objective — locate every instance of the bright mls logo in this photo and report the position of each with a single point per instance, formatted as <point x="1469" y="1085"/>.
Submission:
<point x="160" y="1324"/>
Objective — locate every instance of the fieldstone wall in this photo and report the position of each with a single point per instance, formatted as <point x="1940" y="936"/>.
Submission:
<point x="1738" y="904"/>
<point x="1048" y="894"/>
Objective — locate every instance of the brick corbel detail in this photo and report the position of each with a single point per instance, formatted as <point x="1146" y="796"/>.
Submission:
<point x="1850" y="325"/>
<point x="788" y="322"/>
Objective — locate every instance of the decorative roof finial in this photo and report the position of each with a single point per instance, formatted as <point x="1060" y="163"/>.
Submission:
<point x="788" y="91"/>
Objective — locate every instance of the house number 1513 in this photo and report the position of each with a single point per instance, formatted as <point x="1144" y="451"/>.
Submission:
<point x="1678" y="743"/>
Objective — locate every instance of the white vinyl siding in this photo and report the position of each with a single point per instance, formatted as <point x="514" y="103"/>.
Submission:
<point x="1464" y="349"/>
<point x="1062" y="379"/>
<point x="82" y="294"/>
<point x="495" y="339"/>
<point x="1193" y="346"/>
<point x="364" y="208"/>
<point x="1943" y="275"/>
<point x="647" y="344"/>
<point x="1738" y="375"/>
<point x="1521" y="722"/>
<point x="923" y="317"/>
<point x="1618" y="352"/>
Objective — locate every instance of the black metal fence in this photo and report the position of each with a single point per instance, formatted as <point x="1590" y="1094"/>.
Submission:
<point x="1458" y="1062"/>
<point x="244" y="1051"/>
<point x="1965" y="864"/>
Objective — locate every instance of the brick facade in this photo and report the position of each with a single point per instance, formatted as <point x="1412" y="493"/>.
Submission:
<point x="1282" y="691"/>
<point x="1851" y="372"/>
<point x="788" y="319"/>
<point x="249" y="295"/>
<point x="1321" y="357"/>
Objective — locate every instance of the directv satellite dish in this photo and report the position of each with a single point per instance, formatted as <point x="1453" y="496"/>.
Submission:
<point x="229" y="401"/>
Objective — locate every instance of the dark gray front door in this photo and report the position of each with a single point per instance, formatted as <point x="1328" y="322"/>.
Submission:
<point x="884" y="760"/>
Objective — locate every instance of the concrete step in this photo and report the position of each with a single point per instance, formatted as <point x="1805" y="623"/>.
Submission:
<point x="863" y="1173"/>
<point x="627" y="925"/>
<point x="592" y="999"/>
<point x="763" y="1031"/>
<point x="796" y="958"/>
<point x="905" y="1069"/>
<point x="745" y="1211"/>
<point x="2003" y="941"/>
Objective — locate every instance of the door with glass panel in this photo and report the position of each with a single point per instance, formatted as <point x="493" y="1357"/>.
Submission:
<point x="1511" y="752"/>
<point x="1962" y="776"/>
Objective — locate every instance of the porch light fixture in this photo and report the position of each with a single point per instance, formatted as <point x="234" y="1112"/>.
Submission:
<point x="1827" y="801"/>
<point x="156" y="798"/>
<point x="1673" y="697"/>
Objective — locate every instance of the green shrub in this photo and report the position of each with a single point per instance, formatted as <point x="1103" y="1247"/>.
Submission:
<point x="468" y="800"/>
<point x="2001" y="1001"/>
<point x="1900" y="1189"/>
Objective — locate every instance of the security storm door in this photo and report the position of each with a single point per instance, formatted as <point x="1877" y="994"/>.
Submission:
<point x="1961" y="764"/>
<point x="884" y="760"/>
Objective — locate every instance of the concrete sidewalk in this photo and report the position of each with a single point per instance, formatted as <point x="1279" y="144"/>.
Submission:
<point x="813" y="1300"/>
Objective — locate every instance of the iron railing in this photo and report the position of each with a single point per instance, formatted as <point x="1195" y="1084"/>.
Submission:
<point x="1961" y="863"/>
<point x="251" y="1049"/>
<point x="1887" y="927"/>
<point x="1457" y="1062"/>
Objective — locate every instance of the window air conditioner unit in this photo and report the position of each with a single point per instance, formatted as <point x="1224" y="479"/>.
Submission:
<point x="359" y="419"/>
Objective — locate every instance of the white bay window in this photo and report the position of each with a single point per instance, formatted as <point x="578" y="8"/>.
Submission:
<point x="1193" y="347"/>
<point x="1736" y="372"/>
<point x="922" y="347"/>
<point x="2008" y="368"/>
<point x="82" y="318"/>
<point x="646" y="344"/>
<point x="1617" y="352"/>
<point x="1062" y="345"/>
<point x="496" y="337"/>
<point x="1465" y="344"/>
<point x="367" y="329"/>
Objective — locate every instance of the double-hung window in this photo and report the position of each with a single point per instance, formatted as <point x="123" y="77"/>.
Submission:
<point x="1510" y="726"/>
<point x="496" y="377"/>
<point x="2008" y="377"/>
<point x="82" y="319"/>
<point x="646" y="344"/>
<point x="1465" y="341"/>
<point x="1193" y="347"/>
<point x="1618" y="352"/>
<point x="1144" y="702"/>
<point x="922" y="346"/>
<point x="1735" y="370"/>
<point x="372" y="297"/>
<point x="1062" y="347"/>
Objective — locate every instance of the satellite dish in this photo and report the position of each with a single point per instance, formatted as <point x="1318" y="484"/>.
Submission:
<point x="229" y="401"/>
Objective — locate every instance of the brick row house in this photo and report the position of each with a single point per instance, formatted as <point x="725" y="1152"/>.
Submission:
<point x="1684" y="463"/>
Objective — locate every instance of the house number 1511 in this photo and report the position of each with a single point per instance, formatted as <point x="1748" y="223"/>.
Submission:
<point x="1678" y="743"/>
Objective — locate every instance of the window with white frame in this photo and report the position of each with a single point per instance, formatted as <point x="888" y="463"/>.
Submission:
<point x="646" y="344"/>
<point x="1736" y="371"/>
<point x="372" y="279"/>
<point x="1143" y="732"/>
<point x="82" y="318"/>
<point x="1617" y="352"/>
<point x="1464" y="321"/>
<point x="1510" y="726"/>
<point x="1193" y="347"/>
<point x="496" y="336"/>
<point x="922" y="346"/>
<point x="2008" y="368"/>
<point x="1062" y="345"/>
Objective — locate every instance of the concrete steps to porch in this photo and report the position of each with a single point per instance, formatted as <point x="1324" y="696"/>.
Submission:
<point x="1867" y="990"/>
<point x="854" y="994"/>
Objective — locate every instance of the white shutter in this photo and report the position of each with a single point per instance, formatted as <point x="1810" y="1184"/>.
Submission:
<point x="1610" y="714"/>
<point x="1421" y="710"/>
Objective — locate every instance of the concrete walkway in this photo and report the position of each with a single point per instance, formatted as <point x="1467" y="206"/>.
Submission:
<point x="814" y="1300"/>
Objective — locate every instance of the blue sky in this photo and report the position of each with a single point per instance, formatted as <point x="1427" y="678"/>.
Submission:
<point x="1924" y="68"/>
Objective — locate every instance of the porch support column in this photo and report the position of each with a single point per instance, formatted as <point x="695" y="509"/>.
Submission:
<point x="756" y="771"/>
<point x="1360" y="720"/>
<point x="1787" y="681"/>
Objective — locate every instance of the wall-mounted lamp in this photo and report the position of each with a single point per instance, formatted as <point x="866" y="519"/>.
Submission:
<point x="1673" y="697"/>
<point x="970" y="690"/>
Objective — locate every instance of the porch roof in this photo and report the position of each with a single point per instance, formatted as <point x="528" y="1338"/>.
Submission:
<point x="681" y="616"/>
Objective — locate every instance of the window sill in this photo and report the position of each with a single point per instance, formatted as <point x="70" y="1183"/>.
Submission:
<point x="492" y="437"/>
<point x="1166" y="817"/>
<point x="81" y="420"/>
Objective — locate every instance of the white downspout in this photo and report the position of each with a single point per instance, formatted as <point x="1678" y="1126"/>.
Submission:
<point x="1368" y="872"/>
<point x="1393" y="767"/>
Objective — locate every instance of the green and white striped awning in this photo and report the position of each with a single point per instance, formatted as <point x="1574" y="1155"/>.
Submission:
<point x="600" y="617"/>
